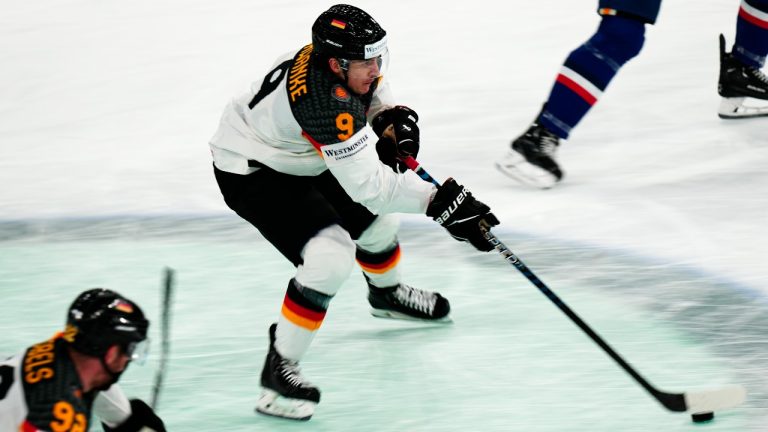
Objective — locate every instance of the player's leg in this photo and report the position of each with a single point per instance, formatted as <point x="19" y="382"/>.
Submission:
<point x="740" y="70"/>
<point x="304" y="227"/>
<point x="580" y="83"/>
<point x="378" y="253"/>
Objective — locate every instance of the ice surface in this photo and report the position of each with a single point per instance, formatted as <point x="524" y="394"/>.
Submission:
<point x="656" y="238"/>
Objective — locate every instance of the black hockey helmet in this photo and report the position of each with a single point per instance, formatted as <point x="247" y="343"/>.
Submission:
<point x="349" y="33"/>
<point x="100" y="318"/>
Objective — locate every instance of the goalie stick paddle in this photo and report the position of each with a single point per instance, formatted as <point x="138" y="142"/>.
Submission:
<point x="700" y="401"/>
<point x="165" y="331"/>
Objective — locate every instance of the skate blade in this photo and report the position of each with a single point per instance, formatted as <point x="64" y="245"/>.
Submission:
<point x="734" y="108"/>
<point x="388" y="314"/>
<point x="272" y="404"/>
<point x="517" y="168"/>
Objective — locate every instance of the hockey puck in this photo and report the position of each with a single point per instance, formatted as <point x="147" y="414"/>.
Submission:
<point x="702" y="417"/>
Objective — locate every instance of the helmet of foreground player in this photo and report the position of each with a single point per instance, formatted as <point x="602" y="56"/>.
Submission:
<point x="349" y="33"/>
<point x="100" y="318"/>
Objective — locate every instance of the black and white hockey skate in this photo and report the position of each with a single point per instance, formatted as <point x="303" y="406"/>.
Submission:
<point x="285" y="393"/>
<point x="408" y="303"/>
<point x="531" y="158"/>
<point x="736" y="84"/>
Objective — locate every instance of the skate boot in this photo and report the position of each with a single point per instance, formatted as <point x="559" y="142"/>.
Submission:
<point x="531" y="158"/>
<point x="408" y="303"/>
<point x="737" y="82"/>
<point x="285" y="393"/>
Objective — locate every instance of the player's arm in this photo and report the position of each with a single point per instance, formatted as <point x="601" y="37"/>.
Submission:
<point x="355" y="164"/>
<point x="395" y="125"/>
<point x="398" y="134"/>
<point x="452" y="206"/>
<point x="118" y="414"/>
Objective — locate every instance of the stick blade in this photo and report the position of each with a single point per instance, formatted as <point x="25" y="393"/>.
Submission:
<point x="711" y="400"/>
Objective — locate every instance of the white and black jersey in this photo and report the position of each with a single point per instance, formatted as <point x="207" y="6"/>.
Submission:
<point x="302" y="120"/>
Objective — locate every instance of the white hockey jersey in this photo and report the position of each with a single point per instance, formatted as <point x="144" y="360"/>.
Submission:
<point x="301" y="120"/>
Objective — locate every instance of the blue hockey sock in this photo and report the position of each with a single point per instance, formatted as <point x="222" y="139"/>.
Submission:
<point x="588" y="70"/>
<point x="751" y="46"/>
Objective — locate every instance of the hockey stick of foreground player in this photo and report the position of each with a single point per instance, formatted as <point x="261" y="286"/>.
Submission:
<point x="165" y="331"/>
<point x="700" y="401"/>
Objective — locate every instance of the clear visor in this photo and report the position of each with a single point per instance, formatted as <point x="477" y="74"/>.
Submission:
<point x="138" y="351"/>
<point x="380" y="61"/>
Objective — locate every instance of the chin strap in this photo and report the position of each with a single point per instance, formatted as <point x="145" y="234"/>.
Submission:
<point x="345" y="76"/>
<point x="114" y="376"/>
<point x="344" y="66"/>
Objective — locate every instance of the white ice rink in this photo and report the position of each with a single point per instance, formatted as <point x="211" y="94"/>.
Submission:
<point x="656" y="238"/>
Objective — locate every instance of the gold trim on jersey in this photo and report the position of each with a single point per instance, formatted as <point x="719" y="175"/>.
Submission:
<point x="297" y="76"/>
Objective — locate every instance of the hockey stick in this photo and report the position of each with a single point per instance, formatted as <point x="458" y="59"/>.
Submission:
<point x="700" y="401"/>
<point x="165" y="330"/>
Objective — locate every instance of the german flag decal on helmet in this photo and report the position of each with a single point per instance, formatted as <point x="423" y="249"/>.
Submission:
<point x="123" y="306"/>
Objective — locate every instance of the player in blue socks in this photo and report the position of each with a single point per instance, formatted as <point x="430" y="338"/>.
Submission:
<point x="740" y="74"/>
<point x="587" y="71"/>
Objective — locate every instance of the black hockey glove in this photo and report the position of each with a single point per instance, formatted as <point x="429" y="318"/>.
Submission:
<point x="142" y="416"/>
<point x="461" y="214"/>
<point x="399" y="142"/>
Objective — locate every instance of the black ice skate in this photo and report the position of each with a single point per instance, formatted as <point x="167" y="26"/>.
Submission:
<point x="285" y="393"/>
<point x="736" y="83"/>
<point x="531" y="158"/>
<point x="405" y="302"/>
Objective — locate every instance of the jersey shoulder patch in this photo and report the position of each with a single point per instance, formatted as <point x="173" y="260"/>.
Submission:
<point x="325" y="109"/>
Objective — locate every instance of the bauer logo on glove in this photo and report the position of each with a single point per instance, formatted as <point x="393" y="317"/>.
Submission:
<point x="452" y="207"/>
<point x="462" y="215"/>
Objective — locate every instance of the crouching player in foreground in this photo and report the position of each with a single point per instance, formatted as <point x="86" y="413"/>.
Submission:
<point x="54" y="385"/>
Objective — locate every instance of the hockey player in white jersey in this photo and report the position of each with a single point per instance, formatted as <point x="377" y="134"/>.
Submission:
<point x="310" y="157"/>
<point x="54" y="385"/>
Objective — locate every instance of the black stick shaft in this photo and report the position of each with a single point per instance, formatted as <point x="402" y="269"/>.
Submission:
<point x="165" y="334"/>
<point x="672" y="401"/>
<point x="510" y="257"/>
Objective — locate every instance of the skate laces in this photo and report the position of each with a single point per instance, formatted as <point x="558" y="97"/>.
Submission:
<point x="292" y="373"/>
<point x="423" y="301"/>
<point x="757" y="73"/>
<point x="548" y="144"/>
